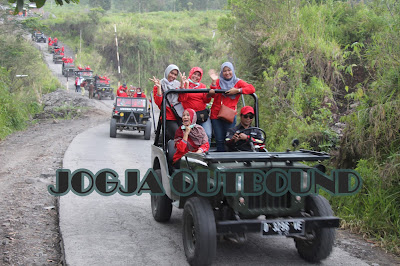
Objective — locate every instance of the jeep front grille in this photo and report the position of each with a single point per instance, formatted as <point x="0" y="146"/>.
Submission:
<point x="267" y="201"/>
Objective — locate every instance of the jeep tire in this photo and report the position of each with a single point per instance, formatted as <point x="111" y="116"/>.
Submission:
<point x="147" y="131"/>
<point x="113" y="128"/>
<point x="161" y="206"/>
<point x="199" y="231"/>
<point x="320" y="247"/>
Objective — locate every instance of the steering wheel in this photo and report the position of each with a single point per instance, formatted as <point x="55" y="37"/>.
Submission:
<point x="259" y="146"/>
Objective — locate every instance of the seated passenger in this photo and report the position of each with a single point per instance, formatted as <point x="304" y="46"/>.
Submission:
<point x="121" y="92"/>
<point x="139" y="93"/>
<point x="189" y="137"/>
<point x="236" y="140"/>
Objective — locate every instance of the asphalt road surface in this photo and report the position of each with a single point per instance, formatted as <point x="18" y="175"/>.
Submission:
<point x="119" y="230"/>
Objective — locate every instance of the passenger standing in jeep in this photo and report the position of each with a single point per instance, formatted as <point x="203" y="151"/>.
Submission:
<point x="197" y="101"/>
<point x="174" y="108"/>
<point x="223" y="110"/>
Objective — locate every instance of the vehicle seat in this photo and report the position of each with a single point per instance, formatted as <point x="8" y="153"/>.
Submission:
<point x="170" y="151"/>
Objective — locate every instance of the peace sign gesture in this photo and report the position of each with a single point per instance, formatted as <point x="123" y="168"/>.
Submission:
<point x="157" y="83"/>
<point x="184" y="81"/>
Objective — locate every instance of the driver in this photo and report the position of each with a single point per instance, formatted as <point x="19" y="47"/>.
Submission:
<point x="239" y="140"/>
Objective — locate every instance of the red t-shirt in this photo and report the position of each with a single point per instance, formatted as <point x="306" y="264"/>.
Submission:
<point x="195" y="101"/>
<point x="158" y="100"/>
<point x="121" y="92"/>
<point x="226" y="100"/>
<point x="182" y="149"/>
<point x="139" y="96"/>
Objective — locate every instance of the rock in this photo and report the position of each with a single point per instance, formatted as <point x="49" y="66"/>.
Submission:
<point x="29" y="181"/>
<point x="5" y="242"/>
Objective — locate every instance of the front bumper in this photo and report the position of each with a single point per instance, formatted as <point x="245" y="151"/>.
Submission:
<point x="256" y="225"/>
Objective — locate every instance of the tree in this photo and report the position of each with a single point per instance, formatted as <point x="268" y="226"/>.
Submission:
<point x="39" y="3"/>
<point x="105" y="4"/>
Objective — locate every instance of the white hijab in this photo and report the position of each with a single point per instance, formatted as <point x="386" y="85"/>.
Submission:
<point x="173" y="85"/>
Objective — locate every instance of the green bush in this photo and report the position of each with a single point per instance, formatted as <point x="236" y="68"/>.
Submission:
<point x="20" y="96"/>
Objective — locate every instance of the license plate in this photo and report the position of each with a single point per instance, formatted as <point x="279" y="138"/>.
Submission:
<point x="283" y="227"/>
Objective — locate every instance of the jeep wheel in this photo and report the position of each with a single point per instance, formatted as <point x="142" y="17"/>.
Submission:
<point x="199" y="231"/>
<point x="161" y="206"/>
<point x="113" y="128"/>
<point x="320" y="246"/>
<point x="147" y="131"/>
<point x="112" y="96"/>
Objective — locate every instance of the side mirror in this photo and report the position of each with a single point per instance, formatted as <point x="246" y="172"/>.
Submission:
<point x="295" y="143"/>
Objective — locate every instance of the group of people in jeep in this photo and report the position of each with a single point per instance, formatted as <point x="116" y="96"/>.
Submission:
<point x="190" y="124"/>
<point x="134" y="92"/>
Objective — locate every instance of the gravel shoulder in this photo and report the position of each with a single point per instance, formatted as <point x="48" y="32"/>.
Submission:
<point x="29" y="232"/>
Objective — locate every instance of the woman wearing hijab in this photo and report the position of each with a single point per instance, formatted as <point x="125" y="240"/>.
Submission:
<point x="197" y="101"/>
<point x="168" y="83"/>
<point x="233" y="87"/>
<point x="190" y="137"/>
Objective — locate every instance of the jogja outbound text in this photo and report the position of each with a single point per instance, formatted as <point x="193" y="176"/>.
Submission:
<point x="246" y="182"/>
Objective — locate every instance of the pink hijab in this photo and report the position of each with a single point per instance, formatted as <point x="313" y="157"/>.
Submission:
<point x="197" y="134"/>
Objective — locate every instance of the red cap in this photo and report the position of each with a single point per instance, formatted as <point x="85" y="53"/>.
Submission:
<point x="246" y="110"/>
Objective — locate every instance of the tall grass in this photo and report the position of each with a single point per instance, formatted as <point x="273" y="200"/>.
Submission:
<point x="20" y="97"/>
<point x="148" y="42"/>
<point x="319" y="63"/>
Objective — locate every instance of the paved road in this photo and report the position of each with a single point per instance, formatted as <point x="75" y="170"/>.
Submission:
<point x="120" y="230"/>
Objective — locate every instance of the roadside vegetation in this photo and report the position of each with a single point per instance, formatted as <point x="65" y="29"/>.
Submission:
<point x="147" y="42"/>
<point x="20" y="96"/>
<point x="327" y="72"/>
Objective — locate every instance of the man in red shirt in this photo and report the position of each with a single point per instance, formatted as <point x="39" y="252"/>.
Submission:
<point x="121" y="92"/>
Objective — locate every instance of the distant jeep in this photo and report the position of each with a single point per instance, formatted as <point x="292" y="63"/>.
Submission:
<point x="130" y="114"/>
<point x="38" y="37"/>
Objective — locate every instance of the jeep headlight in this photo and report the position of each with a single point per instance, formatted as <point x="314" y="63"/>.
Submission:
<point x="121" y="114"/>
<point x="239" y="183"/>
<point x="305" y="180"/>
<point x="141" y="115"/>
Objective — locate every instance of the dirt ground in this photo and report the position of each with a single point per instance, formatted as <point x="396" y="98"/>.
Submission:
<point x="29" y="160"/>
<point x="29" y="233"/>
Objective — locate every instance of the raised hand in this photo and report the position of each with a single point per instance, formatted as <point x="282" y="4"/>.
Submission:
<point x="184" y="81"/>
<point x="213" y="75"/>
<point x="156" y="81"/>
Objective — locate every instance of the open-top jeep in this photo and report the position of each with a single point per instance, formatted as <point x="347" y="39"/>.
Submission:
<point x="57" y="55"/>
<point x="87" y="75"/>
<point x="68" y="68"/>
<point x="308" y="219"/>
<point x="38" y="37"/>
<point x="130" y="114"/>
<point x="103" y="89"/>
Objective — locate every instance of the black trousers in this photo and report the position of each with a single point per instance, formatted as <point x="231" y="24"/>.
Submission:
<point x="172" y="126"/>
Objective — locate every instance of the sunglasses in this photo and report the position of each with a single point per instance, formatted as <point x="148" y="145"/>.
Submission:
<point x="249" y="116"/>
